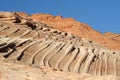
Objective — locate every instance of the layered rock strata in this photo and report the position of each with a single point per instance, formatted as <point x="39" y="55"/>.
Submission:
<point x="76" y="28"/>
<point x="36" y="44"/>
<point x="9" y="70"/>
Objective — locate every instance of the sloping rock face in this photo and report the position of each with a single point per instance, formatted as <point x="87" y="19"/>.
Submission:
<point x="9" y="70"/>
<point x="34" y="43"/>
<point x="113" y="36"/>
<point x="76" y="28"/>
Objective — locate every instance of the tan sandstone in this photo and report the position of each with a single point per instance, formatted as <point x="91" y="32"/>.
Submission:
<point x="77" y="28"/>
<point x="33" y="50"/>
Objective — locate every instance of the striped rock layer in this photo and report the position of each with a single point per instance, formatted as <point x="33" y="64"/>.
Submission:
<point x="37" y="44"/>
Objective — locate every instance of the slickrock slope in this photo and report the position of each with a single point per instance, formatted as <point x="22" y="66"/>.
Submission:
<point x="77" y="28"/>
<point x="113" y="36"/>
<point x="34" y="43"/>
<point x="23" y="14"/>
<point x="9" y="70"/>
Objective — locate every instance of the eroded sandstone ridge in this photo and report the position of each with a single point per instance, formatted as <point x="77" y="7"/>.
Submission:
<point x="77" y="28"/>
<point x="36" y="44"/>
<point x="9" y="70"/>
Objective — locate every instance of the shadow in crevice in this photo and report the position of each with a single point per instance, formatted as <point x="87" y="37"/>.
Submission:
<point x="4" y="48"/>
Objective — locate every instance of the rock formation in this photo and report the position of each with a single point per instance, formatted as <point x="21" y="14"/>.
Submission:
<point x="34" y="43"/>
<point x="113" y="36"/>
<point x="76" y="28"/>
<point x="9" y="70"/>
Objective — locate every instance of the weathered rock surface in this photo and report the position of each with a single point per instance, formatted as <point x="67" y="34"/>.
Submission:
<point x="33" y="43"/>
<point x="9" y="70"/>
<point x="76" y="28"/>
<point x="113" y="36"/>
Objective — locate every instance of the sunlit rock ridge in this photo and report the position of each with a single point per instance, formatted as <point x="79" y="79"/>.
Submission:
<point x="41" y="46"/>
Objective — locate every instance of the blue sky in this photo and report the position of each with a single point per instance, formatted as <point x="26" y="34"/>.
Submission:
<point x="102" y="15"/>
